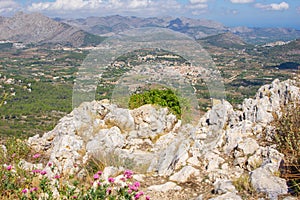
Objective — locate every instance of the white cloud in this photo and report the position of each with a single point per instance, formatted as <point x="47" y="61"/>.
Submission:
<point x="70" y="5"/>
<point x="232" y="11"/>
<point x="197" y="7"/>
<point x="139" y="3"/>
<point x="273" y="6"/>
<point x="7" y="6"/>
<point x="107" y="7"/>
<point x="197" y="1"/>
<point x="242" y="1"/>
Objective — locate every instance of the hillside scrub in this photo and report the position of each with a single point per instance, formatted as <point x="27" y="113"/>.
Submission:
<point x="37" y="183"/>
<point x="287" y="139"/>
<point x="161" y="97"/>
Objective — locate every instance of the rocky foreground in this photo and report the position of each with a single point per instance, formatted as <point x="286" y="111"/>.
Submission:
<point x="174" y="160"/>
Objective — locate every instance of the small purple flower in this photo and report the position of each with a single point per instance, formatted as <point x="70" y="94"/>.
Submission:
<point x="96" y="176"/>
<point x="24" y="191"/>
<point x="138" y="195"/>
<point x="49" y="164"/>
<point x="133" y="187"/>
<point x="99" y="173"/>
<point x="111" y="180"/>
<point x="43" y="172"/>
<point x="36" y="171"/>
<point x="57" y="176"/>
<point x="137" y="184"/>
<point x="37" y="155"/>
<point x="147" y="198"/>
<point x="9" y="167"/>
<point x="129" y="191"/>
<point x="123" y="179"/>
<point x="128" y="174"/>
<point x="33" y="189"/>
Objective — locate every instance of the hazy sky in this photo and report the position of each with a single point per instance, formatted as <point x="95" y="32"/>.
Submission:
<point x="254" y="13"/>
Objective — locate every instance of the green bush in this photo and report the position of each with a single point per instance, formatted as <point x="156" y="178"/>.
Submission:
<point x="161" y="97"/>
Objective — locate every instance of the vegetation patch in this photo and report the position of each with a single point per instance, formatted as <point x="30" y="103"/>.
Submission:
<point x="161" y="97"/>
<point x="287" y="139"/>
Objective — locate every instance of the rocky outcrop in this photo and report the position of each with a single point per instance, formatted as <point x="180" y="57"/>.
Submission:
<point x="221" y="148"/>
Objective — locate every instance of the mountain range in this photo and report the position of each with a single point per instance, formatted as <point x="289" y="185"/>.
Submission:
<point x="197" y="28"/>
<point x="39" y="29"/>
<point x="36" y="28"/>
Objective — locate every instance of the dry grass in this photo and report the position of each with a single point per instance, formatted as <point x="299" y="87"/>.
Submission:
<point x="287" y="140"/>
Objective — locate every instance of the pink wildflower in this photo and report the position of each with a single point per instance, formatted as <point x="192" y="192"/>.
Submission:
<point x="111" y="180"/>
<point x="24" y="191"/>
<point x="36" y="171"/>
<point x="147" y="198"/>
<point x="33" y="189"/>
<point x="49" y="164"/>
<point x="123" y="179"/>
<point x="133" y="187"/>
<point x="108" y="190"/>
<point x="99" y="173"/>
<point x="138" y="195"/>
<point x="137" y="184"/>
<point x="129" y="191"/>
<point x="9" y="167"/>
<point x="57" y="176"/>
<point x="128" y="174"/>
<point x="43" y="172"/>
<point x="96" y="176"/>
<point x="37" y="155"/>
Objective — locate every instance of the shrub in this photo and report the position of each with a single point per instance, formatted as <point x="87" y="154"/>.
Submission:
<point x="242" y="184"/>
<point x="161" y="97"/>
<point x="287" y="140"/>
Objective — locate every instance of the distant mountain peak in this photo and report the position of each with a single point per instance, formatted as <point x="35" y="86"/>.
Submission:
<point x="225" y="40"/>
<point x="36" y="28"/>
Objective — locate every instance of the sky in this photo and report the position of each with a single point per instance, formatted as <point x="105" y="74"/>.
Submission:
<point x="251" y="13"/>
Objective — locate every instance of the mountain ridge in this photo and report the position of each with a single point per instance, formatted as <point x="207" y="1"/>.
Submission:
<point x="38" y="29"/>
<point x="35" y="28"/>
<point x="197" y="28"/>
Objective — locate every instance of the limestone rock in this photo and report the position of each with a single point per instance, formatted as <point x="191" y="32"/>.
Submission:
<point x="173" y="156"/>
<point x="67" y="153"/>
<point x="268" y="100"/>
<point x="151" y="122"/>
<point x="184" y="174"/>
<point x="121" y="118"/>
<point x="23" y="164"/>
<point x="150" y="139"/>
<point x="227" y="196"/>
<point x="106" y="140"/>
<point x="248" y="146"/>
<point x="164" y="187"/>
<point x="110" y="172"/>
<point x="219" y="115"/>
<point x="264" y="181"/>
<point x="224" y="186"/>
<point x="214" y="162"/>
